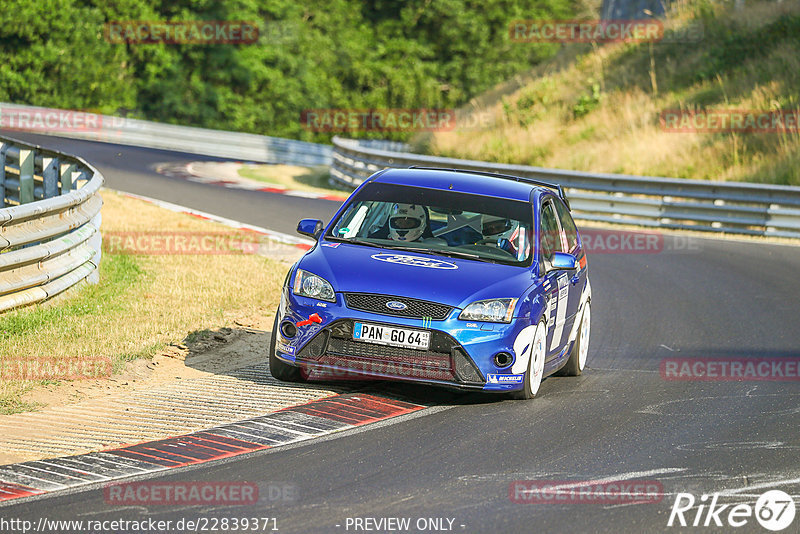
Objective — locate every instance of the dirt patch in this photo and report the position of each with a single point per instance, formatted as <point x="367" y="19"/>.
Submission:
<point x="208" y="352"/>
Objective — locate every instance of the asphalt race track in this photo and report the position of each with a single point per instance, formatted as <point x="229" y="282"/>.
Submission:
<point x="130" y="169"/>
<point x="621" y="421"/>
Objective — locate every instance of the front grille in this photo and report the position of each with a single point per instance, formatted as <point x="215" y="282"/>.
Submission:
<point x="388" y="368"/>
<point x="360" y="349"/>
<point x="416" y="308"/>
<point x="445" y="360"/>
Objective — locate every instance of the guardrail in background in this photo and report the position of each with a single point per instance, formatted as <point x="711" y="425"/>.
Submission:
<point x="742" y="208"/>
<point x="639" y="200"/>
<point x="49" y="223"/>
<point x="135" y="132"/>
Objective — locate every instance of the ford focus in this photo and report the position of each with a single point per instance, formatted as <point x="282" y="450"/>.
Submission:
<point x="458" y="278"/>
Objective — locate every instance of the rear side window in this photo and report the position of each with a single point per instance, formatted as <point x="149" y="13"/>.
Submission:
<point x="568" y="224"/>
<point x="550" y="233"/>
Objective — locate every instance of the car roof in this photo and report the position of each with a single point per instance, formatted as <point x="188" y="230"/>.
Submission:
<point x="461" y="181"/>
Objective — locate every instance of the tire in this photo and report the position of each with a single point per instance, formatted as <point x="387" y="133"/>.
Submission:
<point x="278" y="368"/>
<point x="533" y="376"/>
<point x="577" y="357"/>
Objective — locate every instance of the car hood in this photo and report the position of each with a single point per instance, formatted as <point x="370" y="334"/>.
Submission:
<point x="452" y="281"/>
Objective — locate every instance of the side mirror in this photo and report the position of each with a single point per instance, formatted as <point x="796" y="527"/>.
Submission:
<point x="563" y="262"/>
<point x="310" y="227"/>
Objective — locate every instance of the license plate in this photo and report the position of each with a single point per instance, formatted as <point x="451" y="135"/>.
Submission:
<point x="391" y="335"/>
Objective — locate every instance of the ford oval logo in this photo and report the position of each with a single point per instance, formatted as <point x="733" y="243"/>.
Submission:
<point x="396" y="305"/>
<point x="415" y="261"/>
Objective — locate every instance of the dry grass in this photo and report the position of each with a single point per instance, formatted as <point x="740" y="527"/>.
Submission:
<point x="542" y="123"/>
<point x="142" y="303"/>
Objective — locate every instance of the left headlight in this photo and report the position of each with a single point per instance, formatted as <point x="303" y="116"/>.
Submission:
<point x="307" y="284"/>
<point x="490" y="311"/>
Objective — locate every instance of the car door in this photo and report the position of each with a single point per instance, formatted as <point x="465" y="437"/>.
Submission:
<point x="556" y="283"/>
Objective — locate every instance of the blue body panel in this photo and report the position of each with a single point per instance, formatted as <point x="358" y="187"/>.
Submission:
<point x="455" y="282"/>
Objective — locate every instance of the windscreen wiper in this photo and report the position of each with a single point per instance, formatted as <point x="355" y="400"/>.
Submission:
<point x="443" y="252"/>
<point x="459" y="254"/>
<point x="410" y="249"/>
<point x="362" y="242"/>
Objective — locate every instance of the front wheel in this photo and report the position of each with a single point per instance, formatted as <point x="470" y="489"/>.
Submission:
<point x="533" y="377"/>
<point x="577" y="357"/>
<point x="277" y="367"/>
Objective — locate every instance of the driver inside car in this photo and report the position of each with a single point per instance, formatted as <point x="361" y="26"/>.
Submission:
<point x="406" y="222"/>
<point x="495" y="232"/>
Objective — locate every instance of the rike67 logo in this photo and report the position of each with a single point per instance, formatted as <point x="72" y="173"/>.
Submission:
<point x="774" y="510"/>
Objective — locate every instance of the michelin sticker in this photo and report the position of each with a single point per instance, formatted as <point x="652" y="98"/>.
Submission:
<point x="505" y="379"/>
<point x="283" y="347"/>
<point x="414" y="261"/>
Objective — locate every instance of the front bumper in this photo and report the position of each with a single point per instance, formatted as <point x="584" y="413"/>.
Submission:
<point x="461" y="354"/>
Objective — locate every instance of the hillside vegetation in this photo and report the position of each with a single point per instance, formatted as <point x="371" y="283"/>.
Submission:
<point x="597" y="108"/>
<point x="310" y="54"/>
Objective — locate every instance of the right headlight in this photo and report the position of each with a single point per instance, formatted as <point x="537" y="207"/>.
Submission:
<point x="490" y="311"/>
<point x="307" y="284"/>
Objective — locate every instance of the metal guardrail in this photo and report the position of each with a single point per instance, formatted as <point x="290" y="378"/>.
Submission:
<point x="135" y="132"/>
<point x="740" y="208"/>
<point x="49" y="223"/>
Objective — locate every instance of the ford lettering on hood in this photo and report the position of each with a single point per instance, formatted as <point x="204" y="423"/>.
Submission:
<point x="414" y="261"/>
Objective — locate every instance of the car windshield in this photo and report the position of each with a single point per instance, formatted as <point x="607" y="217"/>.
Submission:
<point x="440" y="222"/>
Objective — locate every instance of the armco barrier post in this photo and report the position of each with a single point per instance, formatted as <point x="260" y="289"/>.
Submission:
<point x="25" y="176"/>
<point x="67" y="169"/>
<point x="49" y="177"/>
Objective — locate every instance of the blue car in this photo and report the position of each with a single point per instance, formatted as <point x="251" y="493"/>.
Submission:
<point x="458" y="278"/>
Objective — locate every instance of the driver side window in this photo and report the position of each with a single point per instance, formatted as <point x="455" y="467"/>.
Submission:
<point x="549" y="232"/>
<point x="568" y="224"/>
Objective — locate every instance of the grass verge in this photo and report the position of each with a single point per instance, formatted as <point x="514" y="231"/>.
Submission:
<point x="142" y="302"/>
<point x="313" y="179"/>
